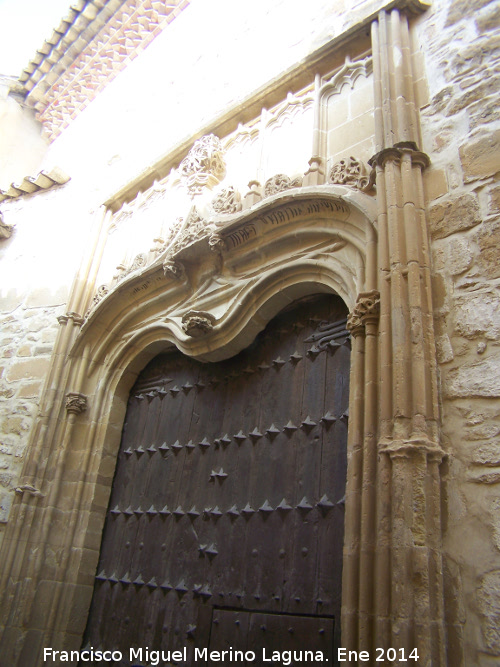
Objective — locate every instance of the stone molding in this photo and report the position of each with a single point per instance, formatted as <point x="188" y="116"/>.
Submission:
<point x="396" y="154"/>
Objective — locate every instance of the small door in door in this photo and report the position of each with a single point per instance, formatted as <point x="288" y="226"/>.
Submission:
<point x="227" y="509"/>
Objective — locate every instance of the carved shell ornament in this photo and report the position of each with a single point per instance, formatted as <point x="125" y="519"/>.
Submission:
<point x="204" y="165"/>
<point x="351" y="172"/>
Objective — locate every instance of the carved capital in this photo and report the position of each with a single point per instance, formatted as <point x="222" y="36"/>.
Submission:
<point x="76" y="403"/>
<point x="102" y="290"/>
<point x="5" y="229"/>
<point x="204" y="165"/>
<point x="413" y="448"/>
<point x="197" y="323"/>
<point x="396" y="153"/>
<point x="367" y="308"/>
<point x="174" y="269"/>
<point x="77" y="319"/>
<point x="351" y="172"/>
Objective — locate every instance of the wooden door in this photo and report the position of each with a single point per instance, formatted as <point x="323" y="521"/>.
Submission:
<point x="225" y="524"/>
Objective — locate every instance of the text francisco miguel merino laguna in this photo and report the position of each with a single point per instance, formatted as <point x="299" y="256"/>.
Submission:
<point x="200" y="655"/>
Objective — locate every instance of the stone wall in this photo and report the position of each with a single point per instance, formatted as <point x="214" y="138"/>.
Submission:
<point x="461" y="133"/>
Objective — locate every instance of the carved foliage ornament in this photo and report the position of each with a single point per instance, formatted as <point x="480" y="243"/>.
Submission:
<point x="367" y="307"/>
<point x="76" y="403"/>
<point x="227" y="201"/>
<point x="204" y="165"/>
<point x="280" y="183"/>
<point x="351" y="172"/>
<point x="197" y="323"/>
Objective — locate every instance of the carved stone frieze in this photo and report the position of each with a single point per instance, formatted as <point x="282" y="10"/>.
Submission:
<point x="76" y="403"/>
<point x="204" y="165"/>
<point x="367" y="307"/>
<point x="227" y="201"/>
<point x="190" y="230"/>
<point x="197" y="323"/>
<point x="352" y="172"/>
<point x="174" y="269"/>
<point x="280" y="183"/>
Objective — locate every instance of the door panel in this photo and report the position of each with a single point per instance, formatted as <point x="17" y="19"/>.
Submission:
<point x="228" y="493"/>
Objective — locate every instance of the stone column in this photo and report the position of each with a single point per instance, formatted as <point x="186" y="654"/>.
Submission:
<point x="407" y="596"/>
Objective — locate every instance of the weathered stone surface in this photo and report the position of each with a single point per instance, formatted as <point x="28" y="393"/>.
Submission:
<point x="478" y="314"/>
<point x="479" y="379"/>
<point x="28" y="368"/>
<point x="463" y="8"/>
<point x="488" y="239"/>
<point x="455" y="215"/>
<point x="489" y="18"/>
<point x="488" y="600"/>
<point x="444" y="349"/>
<point x="480" y="157"/>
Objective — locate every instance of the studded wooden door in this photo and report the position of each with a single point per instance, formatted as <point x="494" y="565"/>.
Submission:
<point x="225" y="524"/>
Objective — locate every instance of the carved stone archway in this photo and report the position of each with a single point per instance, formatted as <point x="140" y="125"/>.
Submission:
<point x="210" y="299"/>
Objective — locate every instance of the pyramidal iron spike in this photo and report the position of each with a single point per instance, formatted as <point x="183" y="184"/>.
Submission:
<point x="313" y="352"/>
<point x="125" y="580"/>
<point x="221" y="474"/>
<point x="181" y="587"/>
<point x="345" y="416"/>
<point x="187" y="387"/>
<point x="115" y="511"/>
<point x="128" y="452"/>
<point x="102" y="576"/>
<point x="240" y="436"/>
<point x="255" y="434"/>
<point x="328" y="419"/>
<point x="289" y="428"/>
<point x="284" y="507"/>
<point x="166" y="586"/>
<point x="199" y="385"/>
<point x="304" y="505"/>
<point x="139" y="451"/>
<point x="263" y="367"/>
<point x="295" y="357"/>
<point x="216" y="513"/>
<point x="225" y="440"/>
<point x="233" y="512"/>
<point x="308" y="424"/>
<point x="139" y="511"/>
<point x="164" y="448"/>
<point x="190" y="632"/>
<point x="129" y="511"/>
<point x="211" y="551"/>
<point x="165" y="512"/>
<point x="202" y="548"/>
<point x="152" y="583"/>
<point x="176" y="447"/>
<point x="205" y="592"/>
<point x="174" y="390"/>
<point x="138" y="581"/>
<point x="278" y="363"/>
<point x="179" y="512"/>
<point x="272" y="431"/>
<point x="266" y="508"/>
<point x="325" y="504"/>
<point x="204" y="444"/>
<point x="152" y="511"/>
<point x="193" y="513"/>
<point x="247" y="511"/>
<point x="190" y="445"/>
